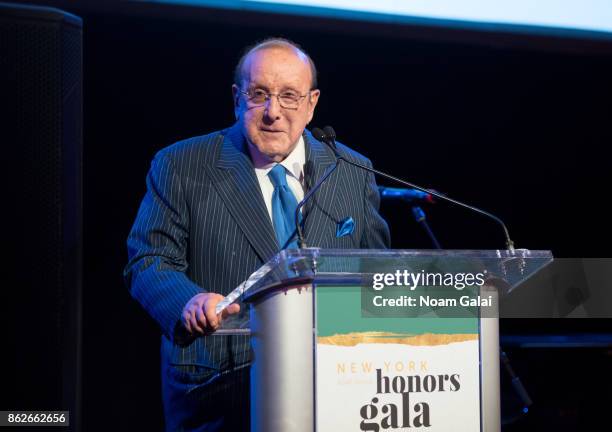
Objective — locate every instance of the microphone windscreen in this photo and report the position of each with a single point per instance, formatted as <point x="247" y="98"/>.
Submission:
<point x="329" y="132"/>
<point x="318" y="134"/>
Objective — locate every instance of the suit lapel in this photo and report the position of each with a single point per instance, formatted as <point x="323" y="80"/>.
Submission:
<point x="235" y="180"/>
<point x="321" y="206"/>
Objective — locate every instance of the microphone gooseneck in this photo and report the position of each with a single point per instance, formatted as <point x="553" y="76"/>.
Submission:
<point x="318" y="134"/>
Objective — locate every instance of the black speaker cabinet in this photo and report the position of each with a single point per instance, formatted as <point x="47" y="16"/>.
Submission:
<point x="41" y="240"/>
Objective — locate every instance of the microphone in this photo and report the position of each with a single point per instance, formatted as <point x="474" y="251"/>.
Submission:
<point x="318" y="134"/>
<point x="412" y="196"/>
<point x="329" y="137"/>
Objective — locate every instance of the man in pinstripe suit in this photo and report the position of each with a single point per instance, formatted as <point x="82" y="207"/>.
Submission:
<point x="206" y="223"/>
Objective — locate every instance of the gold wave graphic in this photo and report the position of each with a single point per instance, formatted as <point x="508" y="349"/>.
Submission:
<point x="426" y="339"/>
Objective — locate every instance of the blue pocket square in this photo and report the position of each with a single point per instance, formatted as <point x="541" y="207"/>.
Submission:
<point x="345" y="227"/>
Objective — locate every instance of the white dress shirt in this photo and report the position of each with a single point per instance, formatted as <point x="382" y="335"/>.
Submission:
<point x="293" y="163"/>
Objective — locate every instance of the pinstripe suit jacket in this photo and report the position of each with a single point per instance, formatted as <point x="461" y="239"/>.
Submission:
<point x="203" y="226"/>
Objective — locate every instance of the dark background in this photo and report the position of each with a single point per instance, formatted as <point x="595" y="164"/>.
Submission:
<point x="516" y="124"/>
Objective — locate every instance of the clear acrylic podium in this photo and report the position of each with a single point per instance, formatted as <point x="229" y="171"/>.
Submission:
<point x="330" y="353"/>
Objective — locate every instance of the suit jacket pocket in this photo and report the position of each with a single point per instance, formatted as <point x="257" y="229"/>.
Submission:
<point x="192" y="364"/>
<point x="192" y="376"/>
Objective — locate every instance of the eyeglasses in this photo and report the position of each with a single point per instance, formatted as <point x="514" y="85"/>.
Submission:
<point x="287" y="99"/>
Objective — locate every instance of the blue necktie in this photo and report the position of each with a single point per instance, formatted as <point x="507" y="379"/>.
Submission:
<point x="283" y="208"/>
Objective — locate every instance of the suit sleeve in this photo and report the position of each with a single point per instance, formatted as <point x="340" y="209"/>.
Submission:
<point x="157" y="248"/>
<point x="376" y="232"/>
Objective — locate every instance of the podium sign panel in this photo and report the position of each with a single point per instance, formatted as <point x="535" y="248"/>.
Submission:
<point x="393" y="373"/>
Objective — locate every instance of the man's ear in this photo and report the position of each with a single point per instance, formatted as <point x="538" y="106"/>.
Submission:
<point x="313" y="99"/>
<point x="235" y="95"/>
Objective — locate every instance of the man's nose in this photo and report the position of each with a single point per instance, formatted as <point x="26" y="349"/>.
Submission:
<point x="272" y="108"/>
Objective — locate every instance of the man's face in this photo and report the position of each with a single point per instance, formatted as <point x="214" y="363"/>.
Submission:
<point x="275" y="130"/>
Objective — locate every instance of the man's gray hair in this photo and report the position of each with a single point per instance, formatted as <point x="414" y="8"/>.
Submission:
<point x="274" y="42"/>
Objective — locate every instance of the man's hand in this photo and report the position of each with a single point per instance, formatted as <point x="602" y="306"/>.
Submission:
<point x="199" y="315"/>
